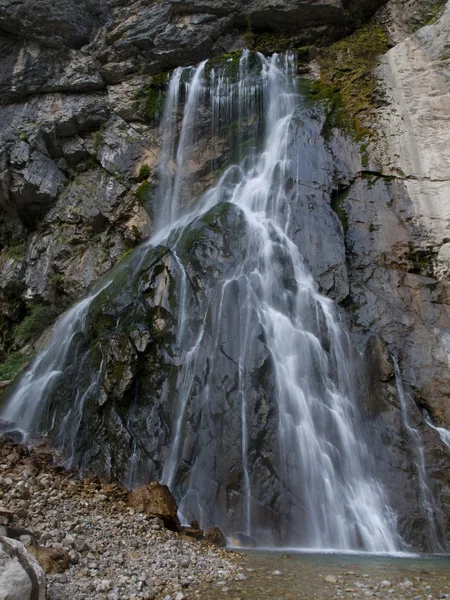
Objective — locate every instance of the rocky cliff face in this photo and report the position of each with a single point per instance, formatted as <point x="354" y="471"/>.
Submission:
<point x="77" y="123"/>
<point x="80" y="141"/>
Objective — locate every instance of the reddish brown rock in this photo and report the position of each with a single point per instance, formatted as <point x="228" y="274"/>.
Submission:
<point x="52" y="560"/>
<point x="156" y="500"/>
<point x="193" y="532"/>
<point x="215" y="536"/>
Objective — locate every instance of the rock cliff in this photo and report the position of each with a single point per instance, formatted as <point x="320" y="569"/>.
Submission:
<point x="76" y="125"/>
<point x="79" y="114"/>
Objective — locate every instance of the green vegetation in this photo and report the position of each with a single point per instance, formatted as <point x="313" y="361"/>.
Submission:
<point x="347" y="85"/>
<point x="40" y="316"/>
<point x="56" y="281"/>
<point x="213" y="217"/>
<point x="429" y="13"/>
<point x="144" y="172"/>
<point x="227" y="63"/>
<point x="421" y="260"/>
<point x="12" y="364"/>
<point x="127" y="251"/>
<point x="97" y="139"/>
<point x="143" y="191"/>
<point x="155" y="94"/>
<point x="268" y="43"/>
<point x="15" y="249"/>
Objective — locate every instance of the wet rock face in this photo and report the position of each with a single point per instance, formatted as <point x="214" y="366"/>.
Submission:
<point x="134" y="409"/>
<point x="131" y="349"/>
<point x="72" y="86"/>
<point x="73" y="138"/>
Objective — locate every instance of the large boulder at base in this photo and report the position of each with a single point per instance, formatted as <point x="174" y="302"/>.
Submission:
<point x="194" y="532"/>
<point x="21" y="576"/>
<point x="215" y="536"/>
<point x="156" y="500"/>
<point x="241" y="540"/>
<point x="52" y="560"/>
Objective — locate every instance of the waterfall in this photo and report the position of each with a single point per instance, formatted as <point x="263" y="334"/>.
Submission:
<point x="444" y="434"/>
<point x="328" y="493"/>
<point x="28" y="398"/>
<point x="432" y="513"/>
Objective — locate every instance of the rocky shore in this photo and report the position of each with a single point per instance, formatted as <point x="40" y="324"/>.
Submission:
<point x="93" y="545"/>
<point x="89" y="541"/>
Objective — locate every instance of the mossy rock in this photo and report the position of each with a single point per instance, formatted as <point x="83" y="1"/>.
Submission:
<point x="13" y="364"/>
<point x="428" y="14"/>
<point x="144" y="173"/>
<point x="40" y="316"/>
<point x="347" y="85"/>
<point x="155" y="95"/>
<point x="143" y="192"/>
<point x="227" y="64"/>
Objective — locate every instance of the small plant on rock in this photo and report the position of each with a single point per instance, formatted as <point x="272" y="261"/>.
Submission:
<point x="40" y="316"/>
<point x="144" y="172"/>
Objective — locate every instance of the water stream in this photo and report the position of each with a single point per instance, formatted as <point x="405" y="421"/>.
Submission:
<point x="331" y="496"/>
<point x="427" y="501"/>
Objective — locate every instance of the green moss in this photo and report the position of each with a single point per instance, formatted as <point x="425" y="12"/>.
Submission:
<point x="56" y="281"/>
<point x="268" y="43"/>
<point x="155" y="94"/>
<point x="228" y="64"/>
<point x="125" y="253"/>
<point x="212" y="218"/>
<point x="347" y="85"/>
<point x="117" y="372"/>
<point x="144" y="172"/>
<point x="302" y="53"/>
<point x="40" y="316"/>
<point x="12" y="364"/>
<point x="143" y="191"/>
<point x="15" y="249"/>
<point x="428" y="13"/>
<point x="97" y="138"/>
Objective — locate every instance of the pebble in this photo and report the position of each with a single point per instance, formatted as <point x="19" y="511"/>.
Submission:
<point x="114" y="553"/>
<point x="330" y="579"/>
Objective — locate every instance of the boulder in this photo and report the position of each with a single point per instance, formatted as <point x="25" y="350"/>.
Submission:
<point x="21" y="576"/>
<point x="52" y="560"/>
<point x="215" y="536"/>
<point x="156" y="500"/>
<point x="241" y="540"/>
<point x="194" y="532"/>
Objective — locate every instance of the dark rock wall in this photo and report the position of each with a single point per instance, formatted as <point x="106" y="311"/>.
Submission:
<point x="72" y="113"/>
<point x="73" y="137"/>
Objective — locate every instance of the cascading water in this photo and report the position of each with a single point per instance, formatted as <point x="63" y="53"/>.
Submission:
<point x="25" y="405"/>
<point x="443" y="433"/>
<point x="432" y="512"/>
<point x="263" y="315"/>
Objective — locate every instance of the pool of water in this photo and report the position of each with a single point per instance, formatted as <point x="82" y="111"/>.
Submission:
<point x="288" y="575"/>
